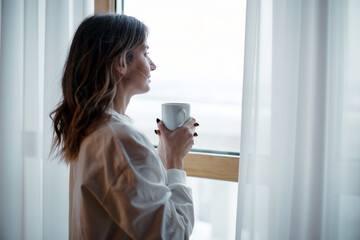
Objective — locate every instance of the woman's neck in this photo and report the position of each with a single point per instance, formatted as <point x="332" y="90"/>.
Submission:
<point x="121" y="101"/>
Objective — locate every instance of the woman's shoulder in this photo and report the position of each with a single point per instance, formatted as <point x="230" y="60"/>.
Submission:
<point x="119" y="129"/>
<point x="123" y="128"/>
<point x="105" y="146"/>
<point x="117" y="144"/>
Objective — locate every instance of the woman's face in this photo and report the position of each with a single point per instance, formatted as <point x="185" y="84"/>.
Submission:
<point x="137" y="77"/>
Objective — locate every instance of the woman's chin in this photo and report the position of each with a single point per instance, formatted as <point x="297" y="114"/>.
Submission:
<point x="144" y="90"/>
<point x="147" y="88"/>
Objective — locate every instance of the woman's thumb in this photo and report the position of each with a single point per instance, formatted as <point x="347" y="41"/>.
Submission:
<point x="161" y="125"/>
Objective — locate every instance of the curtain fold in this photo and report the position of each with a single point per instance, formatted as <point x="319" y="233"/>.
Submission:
<point x="62" y="19"/>
<point x="299" y="170"/>
<point x="11" y="75"/>
<point x="35" y="37"/>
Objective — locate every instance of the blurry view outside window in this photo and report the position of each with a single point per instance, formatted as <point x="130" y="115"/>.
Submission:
<point x="197" y="46"/>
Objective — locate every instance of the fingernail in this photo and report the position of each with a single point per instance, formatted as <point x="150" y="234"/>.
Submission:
<point x="157" y="120"/>
<point x="155" y="132"/>
<point x="195" y="134"/>
<point x="196" y="124"/>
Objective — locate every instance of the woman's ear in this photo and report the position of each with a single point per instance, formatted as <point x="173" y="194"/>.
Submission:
<point x="119" y="69"/>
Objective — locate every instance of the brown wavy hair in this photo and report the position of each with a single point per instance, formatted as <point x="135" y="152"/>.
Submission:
<point x="89" y="82"/>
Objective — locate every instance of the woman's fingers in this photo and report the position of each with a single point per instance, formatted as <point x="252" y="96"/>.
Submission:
<point x="191" y="122"/>
<point x="175" y="144"/>
<point x="161" y="127"/>
<point x="187" y="131"/>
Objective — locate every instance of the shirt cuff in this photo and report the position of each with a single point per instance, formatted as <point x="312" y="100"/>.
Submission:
<point x="176" y="176"/>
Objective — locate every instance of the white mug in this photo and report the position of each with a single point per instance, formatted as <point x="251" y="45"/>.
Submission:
<point x="174" y="115"/>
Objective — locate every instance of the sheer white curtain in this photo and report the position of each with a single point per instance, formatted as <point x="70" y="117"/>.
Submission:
<point x="300" y="148"/>
<point x="35" y="37"/>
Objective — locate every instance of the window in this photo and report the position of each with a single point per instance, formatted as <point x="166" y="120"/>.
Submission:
<point x="198" y="49"/>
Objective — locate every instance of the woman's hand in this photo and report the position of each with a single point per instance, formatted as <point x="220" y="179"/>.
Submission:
<point x="175" y="145"/>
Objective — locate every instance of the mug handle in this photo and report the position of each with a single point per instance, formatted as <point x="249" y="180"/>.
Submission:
<point x="182" y="113"/>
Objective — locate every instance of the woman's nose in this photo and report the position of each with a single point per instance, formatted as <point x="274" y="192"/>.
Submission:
<point x="152" y="65"/>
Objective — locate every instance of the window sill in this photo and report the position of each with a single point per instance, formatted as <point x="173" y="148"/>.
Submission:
<point x="212" y="166"/>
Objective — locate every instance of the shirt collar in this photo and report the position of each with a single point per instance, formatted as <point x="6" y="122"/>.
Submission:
<point x="115" y="114"/>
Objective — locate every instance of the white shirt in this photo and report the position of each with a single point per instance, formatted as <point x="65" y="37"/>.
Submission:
<point x="119" y="188"/>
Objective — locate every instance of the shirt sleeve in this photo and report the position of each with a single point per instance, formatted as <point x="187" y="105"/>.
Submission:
<point x="146" y="201"/>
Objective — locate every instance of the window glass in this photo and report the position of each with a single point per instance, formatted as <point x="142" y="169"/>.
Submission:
<point x="215" y="209"/>
<point x="198" y="49"/>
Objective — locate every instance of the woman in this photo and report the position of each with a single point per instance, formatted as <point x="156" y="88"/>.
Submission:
<point x="120" y="186"/>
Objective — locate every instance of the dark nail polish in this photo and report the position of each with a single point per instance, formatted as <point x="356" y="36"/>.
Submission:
<point x="196" y="125"/>
<point x="157" y="120"/>
<point x="195" y="134"/>
<point x="155" y="132"/>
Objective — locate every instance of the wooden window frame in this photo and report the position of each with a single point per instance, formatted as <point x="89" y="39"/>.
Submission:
<point x="104" y="6"/>
<point x="212" y="166"/>
<point x="202" y="165"/>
